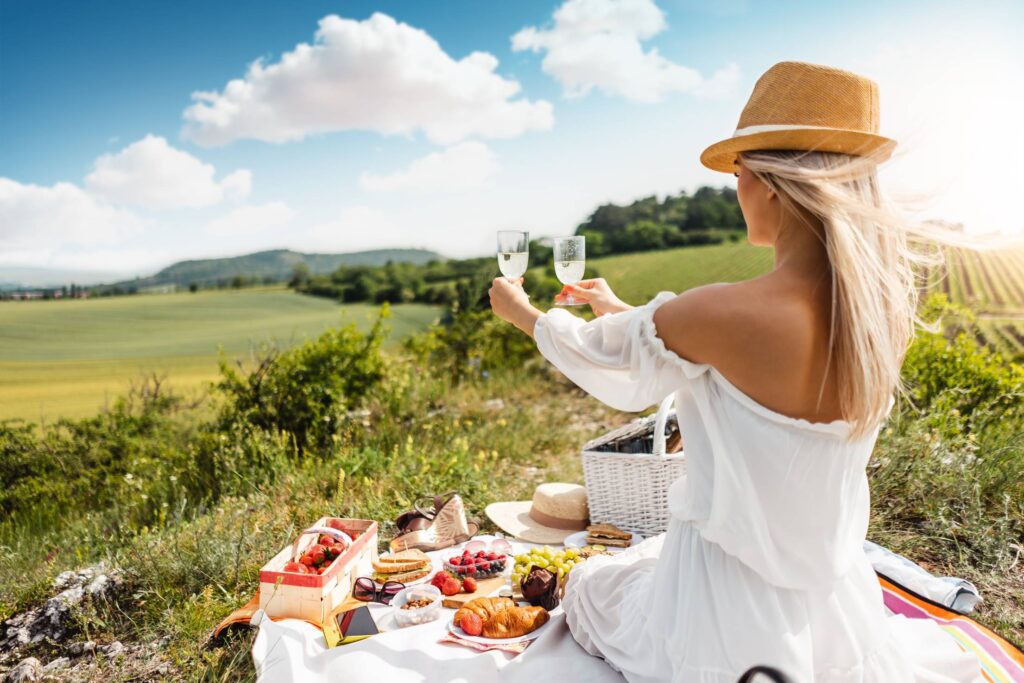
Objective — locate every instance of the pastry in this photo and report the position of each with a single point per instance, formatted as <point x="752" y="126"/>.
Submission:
<point x="540" y="588"/>
<point x="502" y="618"/>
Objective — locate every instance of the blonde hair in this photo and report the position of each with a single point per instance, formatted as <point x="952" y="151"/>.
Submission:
<point x="873" y="252"/>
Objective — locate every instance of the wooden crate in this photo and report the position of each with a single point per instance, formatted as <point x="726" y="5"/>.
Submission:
<point x="311" y="596"/>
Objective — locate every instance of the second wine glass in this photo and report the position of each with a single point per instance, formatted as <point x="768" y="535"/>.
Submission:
<point x="570" y="262"/>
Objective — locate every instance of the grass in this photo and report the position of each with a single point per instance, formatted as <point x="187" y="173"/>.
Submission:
<point x="636" y="278"/>
<point x="70" y="358"/>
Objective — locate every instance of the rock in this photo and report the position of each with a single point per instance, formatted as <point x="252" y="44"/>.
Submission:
<point x="494" y="404"/>
<point x="57" y="664"/>
<point x="114" y="649"/>
<point x="28" y="669"/>
<point x="85" y="647"/>
<point x="52" y="620"/>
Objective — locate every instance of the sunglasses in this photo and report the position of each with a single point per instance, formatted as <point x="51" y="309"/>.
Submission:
<point x="366" y="590"/>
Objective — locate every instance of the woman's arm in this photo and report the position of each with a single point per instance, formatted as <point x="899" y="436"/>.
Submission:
<point x="510" y="302"/>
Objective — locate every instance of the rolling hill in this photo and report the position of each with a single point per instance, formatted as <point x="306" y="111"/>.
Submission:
<point x="276" y="264"/>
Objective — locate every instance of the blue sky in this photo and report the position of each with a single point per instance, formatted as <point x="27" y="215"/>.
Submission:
<point x="102" y="168"/>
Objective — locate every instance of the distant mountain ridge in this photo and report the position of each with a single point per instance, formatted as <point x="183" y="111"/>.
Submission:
<point x="277" y="264"/>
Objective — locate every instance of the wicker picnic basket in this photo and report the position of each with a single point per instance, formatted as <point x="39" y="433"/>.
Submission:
<point x="628" y="472"/>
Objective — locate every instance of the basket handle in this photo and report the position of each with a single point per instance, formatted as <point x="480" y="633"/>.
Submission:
<point x="659" y="424"/>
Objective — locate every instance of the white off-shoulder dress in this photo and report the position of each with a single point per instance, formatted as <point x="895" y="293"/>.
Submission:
<point x="762" y="562"/>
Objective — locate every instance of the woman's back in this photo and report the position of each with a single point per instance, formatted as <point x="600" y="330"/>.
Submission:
<point x="768" y="336"/>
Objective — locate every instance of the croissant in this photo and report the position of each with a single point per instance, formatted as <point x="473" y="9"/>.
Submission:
<point x="515" y="622"/>
<point x="484" y="608"/>
<point x="502" y="618"/>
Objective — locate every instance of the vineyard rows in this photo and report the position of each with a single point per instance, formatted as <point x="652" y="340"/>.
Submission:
<point x="990" y="283"/>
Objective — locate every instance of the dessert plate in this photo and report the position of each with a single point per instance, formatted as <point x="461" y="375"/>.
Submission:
<point x="579" y="540"/>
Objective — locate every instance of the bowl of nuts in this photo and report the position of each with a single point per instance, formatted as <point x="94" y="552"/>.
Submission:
<point x="417" y="605"/>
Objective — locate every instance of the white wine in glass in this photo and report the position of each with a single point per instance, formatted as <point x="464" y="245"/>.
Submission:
<point x="570" y="262"/>
<point x="513" y="253"/>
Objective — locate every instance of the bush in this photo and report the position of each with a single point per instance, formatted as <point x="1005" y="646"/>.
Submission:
<point x="305" y="392"/>
<point x="961" y="385"/>
<point x="118" y="461"/>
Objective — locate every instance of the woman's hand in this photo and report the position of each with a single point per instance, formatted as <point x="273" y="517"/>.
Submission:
<point x="597" y="294"/>
<point x="510" y="302"/>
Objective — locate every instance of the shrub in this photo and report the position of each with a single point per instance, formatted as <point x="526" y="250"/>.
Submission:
<point x="305" y="392"/>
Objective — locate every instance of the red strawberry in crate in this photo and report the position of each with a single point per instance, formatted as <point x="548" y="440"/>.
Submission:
<point x="307" y="559"/>
<point x="295" y="567"/>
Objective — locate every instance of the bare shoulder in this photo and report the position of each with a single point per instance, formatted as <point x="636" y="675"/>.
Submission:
<point x="729" y="325"/>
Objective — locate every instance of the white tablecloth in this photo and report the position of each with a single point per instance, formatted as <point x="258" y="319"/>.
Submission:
<point x="294" y="651"/>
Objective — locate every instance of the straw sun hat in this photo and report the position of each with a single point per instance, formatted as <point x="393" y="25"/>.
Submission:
<point x="808" y="107"/>
<point x="556" y="511"/>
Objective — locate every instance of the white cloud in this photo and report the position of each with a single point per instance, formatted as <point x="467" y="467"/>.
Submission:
<point x="597" y="44"/>
<point x="246" y="221"/>
<point x="466" y="166"/>
<point x="379" y="75"/>
<point x="357" y="227"/>
<point x="35" y="217"/>
<point x="151" y="173"/>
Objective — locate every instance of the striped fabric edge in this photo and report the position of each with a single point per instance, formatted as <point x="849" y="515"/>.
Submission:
<point x="1002" y="661"/>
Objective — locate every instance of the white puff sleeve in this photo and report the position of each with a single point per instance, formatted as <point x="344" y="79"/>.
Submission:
<point x="617" y="358"/>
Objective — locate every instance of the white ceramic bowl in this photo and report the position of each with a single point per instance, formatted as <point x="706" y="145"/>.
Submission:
<point x="411" y="617"/>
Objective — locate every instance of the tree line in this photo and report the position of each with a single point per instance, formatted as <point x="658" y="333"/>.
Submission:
<point x="709" y="216"/>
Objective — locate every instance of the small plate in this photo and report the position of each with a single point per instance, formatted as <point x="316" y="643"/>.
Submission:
<point x="532" y="635"/>
<point x="579" y="540"/>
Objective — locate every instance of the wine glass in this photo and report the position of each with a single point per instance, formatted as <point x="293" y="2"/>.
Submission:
<point x="570" y="262"/>
<point x="513" y="253"/>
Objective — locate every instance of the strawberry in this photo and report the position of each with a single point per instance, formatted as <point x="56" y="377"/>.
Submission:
<point x="471" y="569"/>
<point x="455" y="561"/>
<point x="469" y="584"/>
<point x="307" y="559"/>
<point x="472" y="624"/>
<point x="336" y="524"/>
<point x="492" y="556"/>
<point x="320" y="570"/>
<point x="451" y="586"/>
<point x="481" y="554"/>
<point x="326" y="540"/>
<point x="294" y="567"/>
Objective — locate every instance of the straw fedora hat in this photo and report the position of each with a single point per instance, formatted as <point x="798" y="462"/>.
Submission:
<point x="556" y="511"/>
<point x="808" y="107"/>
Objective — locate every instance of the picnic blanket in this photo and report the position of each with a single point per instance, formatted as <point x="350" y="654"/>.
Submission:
<point x="292" y="650"/>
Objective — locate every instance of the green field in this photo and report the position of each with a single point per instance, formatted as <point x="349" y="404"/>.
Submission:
<point x="636" y="278"/>
<point x="69" y="358"/>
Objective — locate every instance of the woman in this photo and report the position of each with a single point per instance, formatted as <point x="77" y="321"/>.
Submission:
<point x="781" y="384"/>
